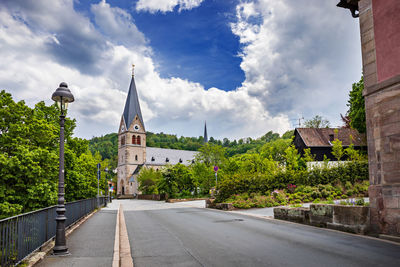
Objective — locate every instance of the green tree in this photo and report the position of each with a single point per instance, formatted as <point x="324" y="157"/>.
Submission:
<point x="293" y="159"/>
<point x="203" y="177"/>
<point x="337" y="147"/>
<point x="211" y="155"/>
<point x="356" y="106"/>
<point x="29" y="157"/>
<point x="148" y="179"/>
<point x="307" y="156"/>
<point x="168" y="184"/>
<point x="275" y="149"/>
<point x="317" y="122"/>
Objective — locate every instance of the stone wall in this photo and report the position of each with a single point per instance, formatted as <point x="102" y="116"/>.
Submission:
<point x="379" y="29"/>
<point x="354" y="219"/>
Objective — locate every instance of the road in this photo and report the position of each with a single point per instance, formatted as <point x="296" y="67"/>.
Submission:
<point x="163" y="234"/>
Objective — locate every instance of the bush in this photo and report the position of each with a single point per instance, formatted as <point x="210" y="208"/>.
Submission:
<point x="306" y="181"/>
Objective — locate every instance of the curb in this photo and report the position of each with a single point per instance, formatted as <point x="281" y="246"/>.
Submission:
<point x="122" y="250"/>
<point x="35" y="257"/>
<point x="116" y="256"/>
<point x="382" y="238"/>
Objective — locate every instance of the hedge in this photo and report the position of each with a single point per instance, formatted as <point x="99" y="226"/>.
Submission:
<point x="355" y="171"/>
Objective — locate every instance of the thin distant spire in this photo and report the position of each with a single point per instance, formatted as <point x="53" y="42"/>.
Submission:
<point x="205" y="132"/>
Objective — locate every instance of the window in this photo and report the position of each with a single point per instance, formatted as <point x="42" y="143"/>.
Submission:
<point x="138" y="140"/>
<point x="136" y="157"/>
<point x="122" y="140"/>
<point x="331" y="137"/>
<point x="133" y="139"/>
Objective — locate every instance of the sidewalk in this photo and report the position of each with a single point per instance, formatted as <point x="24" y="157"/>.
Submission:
<point x="91" y="244"/>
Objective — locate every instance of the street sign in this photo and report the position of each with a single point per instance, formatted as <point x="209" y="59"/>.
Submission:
<point x="215" y="168"/>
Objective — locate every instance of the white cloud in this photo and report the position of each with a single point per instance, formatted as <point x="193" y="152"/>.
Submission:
<point x="285" y="70"/>
<point x="154" y="6"/>
<point x="298" y="61"/>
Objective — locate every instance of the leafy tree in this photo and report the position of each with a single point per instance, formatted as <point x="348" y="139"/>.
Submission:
<point x="275" y="149"/>
<point x="168" y="184"/>
<point x="211" y="155"/>
<point x="356" y="106"/>
<point x="270" y="136"/>
<point x="148" y="179"/>
<point x="307" y="156"/>
<point x="337" y="148"/>
<point x="317" y="122"/>
<point x="292" y="158"/>
<point x="203" y="177"/>
<point x="29" y="158"/>
<point x="288" y="135"/>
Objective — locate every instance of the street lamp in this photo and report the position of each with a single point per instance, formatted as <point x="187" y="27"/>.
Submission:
<point x="106" y="191"/>
<point x="62" y="96"/>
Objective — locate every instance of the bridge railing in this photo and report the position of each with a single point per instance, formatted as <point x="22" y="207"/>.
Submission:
<point x="22" y="234"/>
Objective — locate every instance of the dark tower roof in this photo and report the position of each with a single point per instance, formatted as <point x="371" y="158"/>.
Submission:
<point x="132" y="107"/>
<point x="205" y="133"/>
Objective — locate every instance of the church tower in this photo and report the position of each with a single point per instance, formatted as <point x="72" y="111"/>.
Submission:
<point x="131" y="143"/>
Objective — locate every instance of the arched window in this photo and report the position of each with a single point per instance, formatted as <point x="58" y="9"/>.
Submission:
<point x="133" y="139"/>
<point x="136" y="157"/>
<point x="122" y="140"/>
<point x="138" y="140"/>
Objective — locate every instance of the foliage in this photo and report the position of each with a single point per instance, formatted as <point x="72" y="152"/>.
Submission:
<point x="356" y="106"/>
<point x="301" y="194"/>
<point x="29" y="158"/>
<point x="211" y="155"/>
<point x="307" y="156"/>
<point x="317" y="122"/>
<point x="337" y="148"/>
<point x="259" y="182"/>
<point x="275" y="149"/>
<point x="148" y="179"/>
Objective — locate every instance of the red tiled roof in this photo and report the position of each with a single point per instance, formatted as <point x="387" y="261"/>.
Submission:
<point x="320" y="136"/>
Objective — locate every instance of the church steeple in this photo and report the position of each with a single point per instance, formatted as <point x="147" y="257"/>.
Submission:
<point x="132" y="107"/>
<point x="205" y="133"/>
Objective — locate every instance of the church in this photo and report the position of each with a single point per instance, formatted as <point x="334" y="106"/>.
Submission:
<point x="132" y="151"/>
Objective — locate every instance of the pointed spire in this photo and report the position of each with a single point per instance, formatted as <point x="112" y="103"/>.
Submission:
<point x="132" y="107"/>
<point x="205" y="132"/>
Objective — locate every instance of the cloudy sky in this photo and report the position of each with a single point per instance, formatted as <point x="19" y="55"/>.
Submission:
<point x="247" y="67"/>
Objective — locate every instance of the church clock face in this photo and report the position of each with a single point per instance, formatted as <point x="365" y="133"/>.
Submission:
<point x="136" y="127"/>
<point x="122" y="128"/>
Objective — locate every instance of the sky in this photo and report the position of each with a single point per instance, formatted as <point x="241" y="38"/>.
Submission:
<point x="246" y="67"/>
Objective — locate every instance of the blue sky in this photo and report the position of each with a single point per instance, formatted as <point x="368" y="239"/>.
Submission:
<point x="195" y="44"/>
<point x="247" y="67"/>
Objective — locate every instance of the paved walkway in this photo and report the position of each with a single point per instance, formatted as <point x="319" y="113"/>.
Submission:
<point x="91" y="244"/>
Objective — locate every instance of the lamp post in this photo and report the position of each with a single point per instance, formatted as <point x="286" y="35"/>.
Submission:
<point x="106" y="190"/>
<point x="62" y="96"/>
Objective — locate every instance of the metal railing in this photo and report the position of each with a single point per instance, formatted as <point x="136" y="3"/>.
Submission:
<point x="25" y="233"/>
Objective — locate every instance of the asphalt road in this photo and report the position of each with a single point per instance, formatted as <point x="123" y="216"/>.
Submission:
<point x="163" y="235"/>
